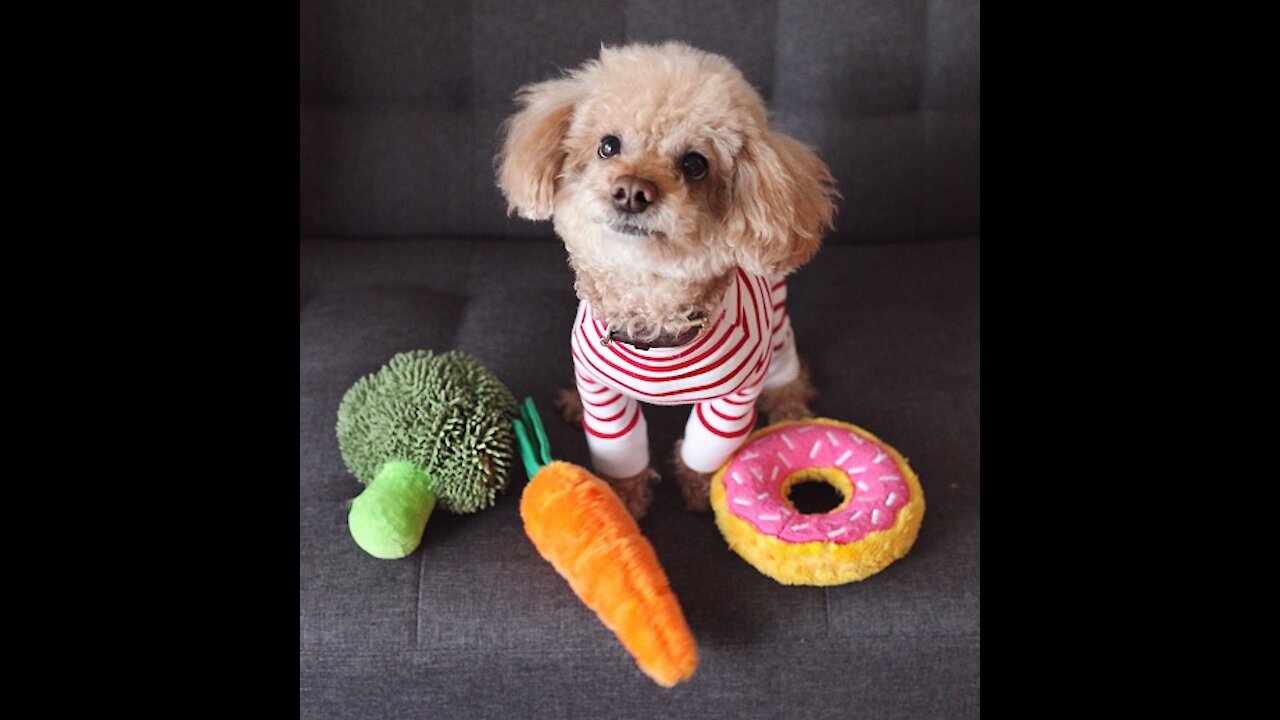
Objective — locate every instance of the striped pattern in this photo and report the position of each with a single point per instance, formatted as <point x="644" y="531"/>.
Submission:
<point x="721" y="374"/>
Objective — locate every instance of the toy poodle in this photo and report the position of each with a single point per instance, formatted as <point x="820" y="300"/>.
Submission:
<point x="682" y="212"/>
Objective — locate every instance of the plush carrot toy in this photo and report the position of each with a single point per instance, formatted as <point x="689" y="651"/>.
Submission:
<point x="579" y="525"/>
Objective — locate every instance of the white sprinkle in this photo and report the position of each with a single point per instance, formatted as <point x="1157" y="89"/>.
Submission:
<point x="855" y="516"/>
<point x="863" y="486"/>
<point x="840" y="460"/>
<point x="741" y="501"/>
<point x="889" y="478"/>
<point x="814" y="452"/>
<point x="879" y="456"/>
<point x="856" y="438"/>
<point x="762" y="496"/>
<point x="737" y="478"/>
<point x="838" y="531"/>
<point x="888" y="502"/>
<point x="773" y="475"/>
<point x="759" y="476"/>
<point x="787" y="440"/>
<point x="864" y="498"/>
<point x="785" y="511"/>
<point x="787" y="462"/>
<point x="770" y="517"/>
<point x="748" y="456"/>
<point x="800" y="526"/>
<point x="805" y="429"/>
<point x="855" y="471"/>
<point x="832" y="437"/>
<point x="875" y="516"/>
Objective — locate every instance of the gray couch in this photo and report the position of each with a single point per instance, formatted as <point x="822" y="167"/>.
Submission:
<point x="404" y="244"/>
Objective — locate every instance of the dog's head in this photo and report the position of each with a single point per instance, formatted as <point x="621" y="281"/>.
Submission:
<point x="658" y="161"/>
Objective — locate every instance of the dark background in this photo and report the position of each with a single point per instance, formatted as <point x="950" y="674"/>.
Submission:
<point x="402" y="101"/>
<point x="405" y="244"/>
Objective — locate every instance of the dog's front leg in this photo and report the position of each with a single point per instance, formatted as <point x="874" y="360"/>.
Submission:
<point x="618" y="439"/>
<point x="716" y="428"/>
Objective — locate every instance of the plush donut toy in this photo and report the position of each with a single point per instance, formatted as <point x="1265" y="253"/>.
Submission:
<point x="875" y="523"/>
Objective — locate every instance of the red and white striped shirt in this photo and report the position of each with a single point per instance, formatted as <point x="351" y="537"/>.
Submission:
<point x="747" y="345"/>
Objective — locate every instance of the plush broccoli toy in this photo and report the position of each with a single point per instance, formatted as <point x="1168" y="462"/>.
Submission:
<point x="425" y="428"/>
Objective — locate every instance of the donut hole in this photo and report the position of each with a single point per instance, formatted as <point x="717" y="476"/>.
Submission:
<point x="815" y="496"/>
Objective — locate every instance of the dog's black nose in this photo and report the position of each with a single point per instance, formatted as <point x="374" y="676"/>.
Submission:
<point x="632" y="194"/>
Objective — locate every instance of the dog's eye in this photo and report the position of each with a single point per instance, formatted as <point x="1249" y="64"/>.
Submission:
<point x="694" y="166"/>
<point x="610" y="146"/>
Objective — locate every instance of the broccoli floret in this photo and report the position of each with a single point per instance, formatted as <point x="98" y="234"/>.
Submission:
<point x="426" y="428"/>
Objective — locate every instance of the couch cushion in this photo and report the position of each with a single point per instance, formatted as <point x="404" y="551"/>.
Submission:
<point x="475" y="624"/>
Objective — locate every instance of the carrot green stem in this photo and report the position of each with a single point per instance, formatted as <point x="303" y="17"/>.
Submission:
<point x="529" y="431"/>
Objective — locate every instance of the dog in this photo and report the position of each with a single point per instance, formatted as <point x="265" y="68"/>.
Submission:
<point x="682" y="211"/>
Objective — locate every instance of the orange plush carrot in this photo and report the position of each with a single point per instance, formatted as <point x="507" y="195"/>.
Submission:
<point x="579" y="525"/>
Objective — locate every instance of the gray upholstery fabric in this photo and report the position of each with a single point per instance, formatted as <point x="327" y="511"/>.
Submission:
<point x="400" y="108"/>
<point x="401" y="102"/>
<point x="476" y="625"/>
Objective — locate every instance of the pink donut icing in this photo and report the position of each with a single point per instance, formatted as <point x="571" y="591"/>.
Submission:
<point x="753" y="484"/>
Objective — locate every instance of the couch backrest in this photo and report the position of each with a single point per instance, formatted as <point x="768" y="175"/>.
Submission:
<point x="401" y="102"/>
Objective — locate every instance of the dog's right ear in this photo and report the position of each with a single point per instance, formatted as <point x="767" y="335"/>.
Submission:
<point x="533" y="151"/>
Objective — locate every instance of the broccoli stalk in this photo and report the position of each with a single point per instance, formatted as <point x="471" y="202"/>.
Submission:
<point x="426" y="428"/>
<point x="387" y="519"/>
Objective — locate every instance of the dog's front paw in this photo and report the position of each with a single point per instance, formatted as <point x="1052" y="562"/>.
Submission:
<point x="636" y="492"/>
<point x="694" y="486"/>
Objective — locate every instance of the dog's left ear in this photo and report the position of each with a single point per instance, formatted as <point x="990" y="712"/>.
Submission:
<point x="533" y="150"/>
<point x="782" y="199"/>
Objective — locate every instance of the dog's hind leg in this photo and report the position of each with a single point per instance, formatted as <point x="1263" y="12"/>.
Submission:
<point x="787" y="389"/>
<point x="569" y="403"/>
<point x="788" y="400"/>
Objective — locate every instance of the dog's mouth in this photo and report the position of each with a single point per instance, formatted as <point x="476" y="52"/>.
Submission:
<point x="624" y="227"/>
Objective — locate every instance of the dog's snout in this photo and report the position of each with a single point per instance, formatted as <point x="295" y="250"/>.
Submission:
<point x="633" y="194"/>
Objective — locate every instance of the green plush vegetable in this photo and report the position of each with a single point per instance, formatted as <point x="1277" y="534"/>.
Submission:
<point x="426" y="428"/>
